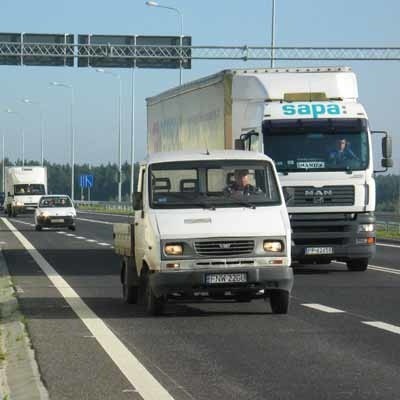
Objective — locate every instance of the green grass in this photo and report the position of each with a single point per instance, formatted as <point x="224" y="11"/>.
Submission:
<point x="388" y="235"/>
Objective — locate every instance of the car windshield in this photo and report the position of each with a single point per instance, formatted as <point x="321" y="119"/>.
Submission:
<point x="26" y="189"/>
<point x="317" y="145"/>
<point x="51" y="202"/>
<point x="213" y="184"/>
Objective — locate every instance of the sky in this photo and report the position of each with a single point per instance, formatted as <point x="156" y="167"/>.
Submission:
<point x="209" y="22"/>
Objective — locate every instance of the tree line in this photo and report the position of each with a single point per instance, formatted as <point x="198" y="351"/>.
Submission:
<point x="105" y="186"/>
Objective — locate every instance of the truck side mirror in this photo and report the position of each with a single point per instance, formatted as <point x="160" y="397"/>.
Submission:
<point x="387" y="147"/>
<point x="137" y="201"/>
<point x="239" y="144"/>
<point x="387" y="163"/>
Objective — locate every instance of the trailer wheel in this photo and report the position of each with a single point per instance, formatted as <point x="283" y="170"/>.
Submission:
<point x="153" y="305"/>
<point x="358" y="264"/>
<point x="279" y="301"/>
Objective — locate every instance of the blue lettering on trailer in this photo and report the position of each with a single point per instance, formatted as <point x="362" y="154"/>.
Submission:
<point x="311" y="109"/>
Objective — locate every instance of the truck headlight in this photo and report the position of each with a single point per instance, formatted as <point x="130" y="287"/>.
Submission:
<point x="366" y="228"/>
<point x="273" y="246"/>
<point x="173" y="249"/>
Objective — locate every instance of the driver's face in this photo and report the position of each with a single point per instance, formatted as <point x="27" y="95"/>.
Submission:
<point x="342" y="144"/>
<point x="244" y="180"/>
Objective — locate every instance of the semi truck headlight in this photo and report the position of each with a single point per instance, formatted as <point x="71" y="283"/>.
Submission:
<point x="366" y="228"/>
<point x="173" y="249"/>
<point x="273" y="246"/>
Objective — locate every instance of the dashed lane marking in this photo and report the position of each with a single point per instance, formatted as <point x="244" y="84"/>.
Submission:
<point x="23" y="222"/>
<point x="104" y="244"/>
<point x="383" y="325"/>
<point x="136" y="373"/>
<point x="397" y="246"/>
<point x="80" y="237"/>
<point x="91" y="240"/>
<point x="108" y="214"/>
<point x="320" y="307"/>
<point x="96" y="221"/>
<point x="384" y="269"/>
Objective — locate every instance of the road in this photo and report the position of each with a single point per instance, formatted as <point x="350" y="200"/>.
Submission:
<point x="340" y="340"/>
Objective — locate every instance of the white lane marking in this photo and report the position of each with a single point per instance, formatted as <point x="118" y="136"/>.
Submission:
<point x="62" y="232"/>
<point x="139" y="377"/>
<point x="320" y="307"/>
<point x="23" y="222"/>
<point x="397" y="246"/>
<point x="69" y="234"/>
<point x="383" y="269"/>
<point x="383" y="325"/>
<point x="80" y="237"/>
<point x="104" y="244"/>
<point x="97" y="222"/>
<point x="110" y="215"/>
<point x="91" y="240"/>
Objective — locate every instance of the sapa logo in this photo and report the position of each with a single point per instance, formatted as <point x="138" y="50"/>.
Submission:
<point x="313" y="109"/>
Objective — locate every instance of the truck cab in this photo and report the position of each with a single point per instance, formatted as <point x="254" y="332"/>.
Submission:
<point x="199" y="231"/>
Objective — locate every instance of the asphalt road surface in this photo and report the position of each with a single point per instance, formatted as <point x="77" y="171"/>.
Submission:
<point x="340" y="340"/>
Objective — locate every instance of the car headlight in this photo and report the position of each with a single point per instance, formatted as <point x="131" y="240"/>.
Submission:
<point x="273" y="246"/>
<point x="173" y="249"/>
<point x="366" y="228"/>
<point x="44" y="214"/>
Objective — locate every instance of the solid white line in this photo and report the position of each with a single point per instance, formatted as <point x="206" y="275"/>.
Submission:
<point x="383" y="325"/>
<point x="97" y="222"/>
<point x="140" y="378"/>
<point x="397" y="246"/>
<point x="320" y="307"/>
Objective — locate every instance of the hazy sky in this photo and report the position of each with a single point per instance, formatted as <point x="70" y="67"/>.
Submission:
<point x="209" y="22"/>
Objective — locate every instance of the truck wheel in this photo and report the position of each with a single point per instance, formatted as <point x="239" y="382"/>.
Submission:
<point x="72" y="227"/>
<point x="154" y="305"/>
<point x="38" y="228"/>
<point x="130" y="294"/>
<point x="14" y="213"/>
<point x="279" y="301"/>
<point x="358" y="264"/>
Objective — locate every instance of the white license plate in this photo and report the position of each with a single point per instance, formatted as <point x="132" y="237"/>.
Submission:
<point x="311" y="251"/>
<point x="57" y="220"/>
<point x="226" y="278"/>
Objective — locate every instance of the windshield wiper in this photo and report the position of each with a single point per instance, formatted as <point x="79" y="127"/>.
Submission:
<point x="241" y="202"/>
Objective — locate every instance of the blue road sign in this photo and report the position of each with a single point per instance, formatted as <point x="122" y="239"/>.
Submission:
<point x="86" y="181"/>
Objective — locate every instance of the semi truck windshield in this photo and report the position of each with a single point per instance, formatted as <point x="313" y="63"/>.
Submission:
<point x="317" y="144"/>
<point x="32" y="189"/>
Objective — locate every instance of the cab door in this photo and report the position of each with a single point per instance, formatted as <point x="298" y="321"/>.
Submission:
<point x="140" y="220"/>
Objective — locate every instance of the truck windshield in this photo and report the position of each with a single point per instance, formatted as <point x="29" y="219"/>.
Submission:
<point x="33" y="189"/>
<point x="317" y="144"/>
<point x="213" y="184"/>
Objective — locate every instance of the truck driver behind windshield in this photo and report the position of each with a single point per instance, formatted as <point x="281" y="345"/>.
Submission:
<point x="342" y="154"/>
<point x="241" y="184"/>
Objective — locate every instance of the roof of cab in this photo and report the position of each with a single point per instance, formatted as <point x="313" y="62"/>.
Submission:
<point x="177" y="156"/>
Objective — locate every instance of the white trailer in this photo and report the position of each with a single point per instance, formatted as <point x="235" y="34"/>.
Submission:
<point x="299" y="117"/>
<point x="23" y="188"/>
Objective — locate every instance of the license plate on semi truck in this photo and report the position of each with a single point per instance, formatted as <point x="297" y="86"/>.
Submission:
<point x="313" y="251"/>
<point x="226" y="278"/>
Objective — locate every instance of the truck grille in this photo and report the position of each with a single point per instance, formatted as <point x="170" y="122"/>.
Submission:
<point x="224" y="247"/>
<point x="308" y="196"/>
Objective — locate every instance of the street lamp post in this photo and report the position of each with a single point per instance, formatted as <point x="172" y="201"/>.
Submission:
<point x="28" y="101"/>
<point x="10" y="111"/>
<point x="155" y="4"/>
<point x="70" y="87"/>
<point x="119" y="129"/>
<point x="273" y="34"/>
<point x="3" y="175"/>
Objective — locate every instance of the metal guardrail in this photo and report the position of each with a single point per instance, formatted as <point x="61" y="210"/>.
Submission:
<point x="112" y="206"/>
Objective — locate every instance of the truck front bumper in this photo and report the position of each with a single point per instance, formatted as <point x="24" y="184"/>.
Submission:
<point x="325" y="237"/>
<point x="192" y="283"/>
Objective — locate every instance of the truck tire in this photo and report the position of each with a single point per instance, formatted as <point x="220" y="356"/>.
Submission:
<point x="130" y="294"/>
<point x="279" y="301"/>
<point x="357" y="264"/>
<point x="38" y="228"/>
<point x="153" y="305"/>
